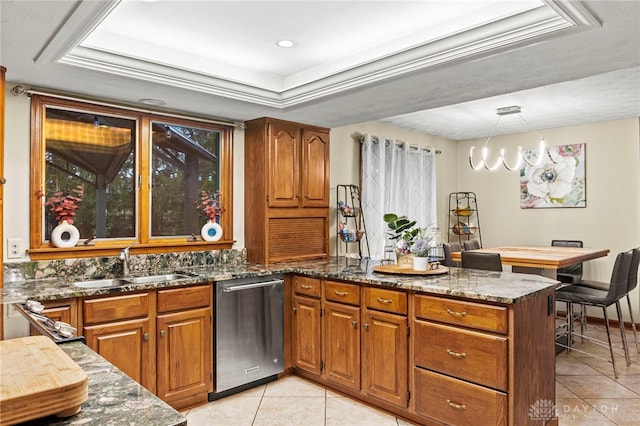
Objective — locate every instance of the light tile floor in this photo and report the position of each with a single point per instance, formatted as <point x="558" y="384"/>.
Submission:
<point x="586" y="394"/>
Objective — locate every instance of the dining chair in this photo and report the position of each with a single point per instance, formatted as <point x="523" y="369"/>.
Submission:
<point x="477" y="260"/>
<point x="449" y="248"/>
<point x="632" y="283"/>
<point x="587" y="296"/>
<point x="471" y="244"/>
<point x="570" y="274"/>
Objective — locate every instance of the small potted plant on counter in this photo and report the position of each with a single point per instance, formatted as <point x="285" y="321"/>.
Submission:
<point x="402" y="231"/>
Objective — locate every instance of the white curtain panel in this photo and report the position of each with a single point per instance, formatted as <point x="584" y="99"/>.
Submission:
<point x="396" y="178"/>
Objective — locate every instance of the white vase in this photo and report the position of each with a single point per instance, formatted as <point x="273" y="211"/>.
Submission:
<point x="211" y="231"/>
<point x="420" y="263"/>
<point x="65" y="235"/>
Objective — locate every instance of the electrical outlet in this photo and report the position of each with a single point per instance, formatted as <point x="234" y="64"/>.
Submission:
<point x="14" y="248"/>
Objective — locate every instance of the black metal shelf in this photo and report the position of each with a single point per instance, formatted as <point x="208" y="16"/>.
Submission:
<point x="464" y="220"/>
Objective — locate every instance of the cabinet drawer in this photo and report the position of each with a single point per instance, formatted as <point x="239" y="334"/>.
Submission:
<point x="175" y="299"/>
<point x="456" y="402"/>
<point x="386" y="300"/>
<point x="342" y="292"/>
<point x="115" y="308"/>
<point x="469" y="355"/>
<point x="459" y="312"/>
<point x="306" y="285"/>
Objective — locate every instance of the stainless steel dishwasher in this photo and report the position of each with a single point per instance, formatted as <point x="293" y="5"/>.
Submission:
<point x="249" y="327"/>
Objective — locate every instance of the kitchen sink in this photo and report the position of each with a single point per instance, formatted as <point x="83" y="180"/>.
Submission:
<point x="157" y="278"/>
<point x="110" y="282"/>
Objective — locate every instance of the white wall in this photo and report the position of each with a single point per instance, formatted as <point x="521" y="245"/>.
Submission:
<point x="17" y="149"/>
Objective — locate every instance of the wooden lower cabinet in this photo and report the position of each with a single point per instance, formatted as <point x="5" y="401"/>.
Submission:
<point x="125" y="344"/>
<point x="306" y="334"/>
<point x="162" y="339"/>
<point x="341" y="343"/>
<point x="385" y="357"/>
<point x="183" y="368"/>
<point x="481" y="363"/>
<point x="432" y="359"/>
<point x="119" y="329"/>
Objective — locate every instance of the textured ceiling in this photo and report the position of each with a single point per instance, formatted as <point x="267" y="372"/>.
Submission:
<point x="589" y="71"/>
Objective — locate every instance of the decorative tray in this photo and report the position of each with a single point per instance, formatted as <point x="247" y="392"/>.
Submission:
<point x="395" y="269"/>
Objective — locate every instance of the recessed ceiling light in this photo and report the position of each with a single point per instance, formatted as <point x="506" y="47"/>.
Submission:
<point x="154" y="102"/>
<point x="285" y="43"/>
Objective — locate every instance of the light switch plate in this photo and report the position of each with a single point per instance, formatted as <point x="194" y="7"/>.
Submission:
<point x="14" y="248"/>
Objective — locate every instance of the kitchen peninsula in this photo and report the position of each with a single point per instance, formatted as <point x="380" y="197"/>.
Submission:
<point x="451" y="348"/>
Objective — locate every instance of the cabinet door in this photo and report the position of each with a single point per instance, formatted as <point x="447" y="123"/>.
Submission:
<point x="385" y="357"/>
<point x="315" y="168"/>
<point x="341" y="343"/>
<point x="184" y="354"/>
<point x="306" y="334"/>
<point x="284" y="165"/>
<point x="126" y="345"/>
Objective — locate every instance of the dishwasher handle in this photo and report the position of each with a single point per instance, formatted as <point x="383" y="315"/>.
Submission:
<point x="250" y="286"/>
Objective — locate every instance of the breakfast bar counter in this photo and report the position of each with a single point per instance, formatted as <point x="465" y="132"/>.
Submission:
<point x="498" y="287"/>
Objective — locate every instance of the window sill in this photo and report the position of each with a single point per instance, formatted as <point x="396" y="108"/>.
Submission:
<point x="53" y="253"/>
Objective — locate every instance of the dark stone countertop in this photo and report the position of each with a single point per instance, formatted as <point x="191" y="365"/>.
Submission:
<point x="499" y="287"/>
<point x="114" y="398"/>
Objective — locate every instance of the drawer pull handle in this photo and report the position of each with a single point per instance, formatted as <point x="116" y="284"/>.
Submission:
<point x="456" y="354"/>
<point x="456" y="314"/>
<point x="305" y="286"/>
<point x="381" y="300"/>
<point x="340" y="293"/>
<point x="456" y="405"/>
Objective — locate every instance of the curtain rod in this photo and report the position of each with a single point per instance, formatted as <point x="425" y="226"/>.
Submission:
<point x="359" y="137"/>
<point x="19" y="90"/>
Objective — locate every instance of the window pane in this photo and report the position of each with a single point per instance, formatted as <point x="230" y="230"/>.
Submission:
<point x="185" y="161"/>
<point x="97" y="152"/>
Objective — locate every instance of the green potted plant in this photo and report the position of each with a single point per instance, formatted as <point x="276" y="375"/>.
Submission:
<point x="402" y="230"/>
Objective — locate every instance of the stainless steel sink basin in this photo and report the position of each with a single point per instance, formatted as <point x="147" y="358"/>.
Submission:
<point x="109" y="282"/>
<point x="157" y="278"/>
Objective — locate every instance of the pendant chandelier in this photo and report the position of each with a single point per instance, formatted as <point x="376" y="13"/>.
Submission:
<point x="522" y="157"/>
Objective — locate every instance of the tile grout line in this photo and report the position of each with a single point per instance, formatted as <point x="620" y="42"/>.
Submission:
<point x="255" y="415"/>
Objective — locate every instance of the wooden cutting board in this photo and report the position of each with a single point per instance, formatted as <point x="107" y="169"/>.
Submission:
<point x="395" y="269"/>
<point x="38" y="379"/>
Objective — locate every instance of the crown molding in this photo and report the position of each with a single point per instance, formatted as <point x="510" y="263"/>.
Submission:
<point x="516" y="31"/>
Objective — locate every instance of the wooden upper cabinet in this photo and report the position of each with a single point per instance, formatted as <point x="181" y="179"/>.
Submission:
<point x="286" y="191"/>
<point x="284" y="165"/>
<point x="315" y="168"/>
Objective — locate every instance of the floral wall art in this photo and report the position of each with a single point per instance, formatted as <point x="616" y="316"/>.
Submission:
<point x="558" y="181"/>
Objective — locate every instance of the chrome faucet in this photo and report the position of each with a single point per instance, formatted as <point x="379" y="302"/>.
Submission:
<point x="125" y="258"/>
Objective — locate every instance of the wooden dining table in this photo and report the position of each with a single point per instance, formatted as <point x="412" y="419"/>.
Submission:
<point x="540" y="260"/>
